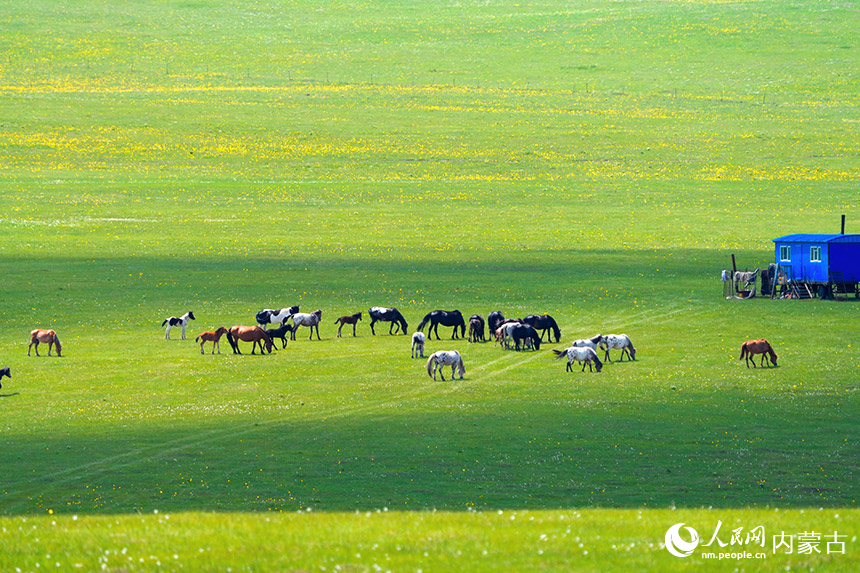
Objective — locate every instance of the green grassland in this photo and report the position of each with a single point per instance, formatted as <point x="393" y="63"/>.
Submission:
<point x="596" y="161"/>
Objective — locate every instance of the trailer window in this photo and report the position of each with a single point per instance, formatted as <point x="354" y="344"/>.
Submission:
<point x="815" y="254"/>
<point x="785" y="253"/>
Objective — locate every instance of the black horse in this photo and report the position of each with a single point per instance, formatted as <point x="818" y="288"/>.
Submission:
<point x="392" y="315"/>
<point x="280" y="333"/>
<point x="544" y="323"/>
<point x="5" y="372"/>
<point x="494" y="321"/>
<point x="523" y="332"/>
<point x="445" y="318"/>
<point x="476" y="328"/>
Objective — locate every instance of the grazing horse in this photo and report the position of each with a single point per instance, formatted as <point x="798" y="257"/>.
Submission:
<point x="445" y="318"/>
<point x="270" y="316"/>
<point x="351" y="319"/>
<point x="544" y="323"/>
<point x="213" y="337"/>
<point x="476" y="328"/>
<point x="616" y="341"/>
<point x="438" y="360"/>
<point x="583" y="354"/>
<point x="180" y="321"/>
<point x="280" y="332"/>
<point x="495" y="320"/>
<point x="505" y="332"/>
<point x="253" y="334"/>
<point x="392" y="315"/>
<point x="525" y="333"/>
<point x="311" y="320"/>
<point x="752" y="347"/>
<point x="49" y="336"/>
<point x="5" y="372"/>
<point x="418" y="345"/>
<point x="591" y="343"/>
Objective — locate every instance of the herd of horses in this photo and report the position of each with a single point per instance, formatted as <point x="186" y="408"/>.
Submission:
<point x="518" y="333"/>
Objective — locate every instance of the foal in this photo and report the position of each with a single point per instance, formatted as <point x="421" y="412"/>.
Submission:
<point x="280" y="333"/>
<point x="351" y="319"/>
<point x="213" y="337"/>
<point x="418" y="344"/>
<point x="174" y="321"/>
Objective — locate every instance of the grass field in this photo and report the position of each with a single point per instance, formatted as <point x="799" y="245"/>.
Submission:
<point x="596" y="161"/>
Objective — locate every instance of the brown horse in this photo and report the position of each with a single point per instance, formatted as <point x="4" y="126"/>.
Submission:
<point x="213" y="337"/>
<point x="40" y="335"/>
<point x="253" y="334"/>
<point x="353" y="319"/>
<point x="752" y="347"/>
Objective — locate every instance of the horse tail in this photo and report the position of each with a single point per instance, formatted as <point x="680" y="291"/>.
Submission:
<point x="743" y="351"/>
<point x="429" y="371"/>
<point x="559" y="353"/>
<point x="57" y="344"/>
<point x="424" y="322"/>
<point x="461" y="368"/>
<point x="231" y="340"/>
<point x="165" y="321"/>
<point x="197" y="339"/>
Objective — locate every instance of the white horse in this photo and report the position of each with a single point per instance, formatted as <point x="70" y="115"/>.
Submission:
<point x="583" y="354"/>
<point x="418" y="345"/>
<point x="439" y="360"/>
<point x="504" y="334"/>
<point x="271" y="316"/>
<point x="311" y="320"/>
<point x="588" y="342"/>
<point x="616" y="341"/>
<point x="174" y="321"/>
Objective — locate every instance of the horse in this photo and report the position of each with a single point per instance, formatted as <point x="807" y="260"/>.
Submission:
<point x="495" y="320"/>
<point x="5" y="372"/>
<point x="583" y="354"/>
<point x="504" y="333"/>
<point x="591" y="343"/>
<point x="616" y="341"/>
<point x="525" y="333"/>
<point x="310" y="320"/>
<point x="49" y="336"/>
<point x="476" y="328"/>
<point x="351" y="319"/>
<point x="418" y="344"/>
<point x="752" y="347"/>
<point x="180" y="321"/>
<point x="213" y="337"/>
<point x="270" y="316"/>
<point x="445" y="318"/>
<point x="392" y="315"/>
<point x="543" y="323"/>
<point x="280" y="332"/>
<point x="253" y="334"/>
<point x="438" y="360"/>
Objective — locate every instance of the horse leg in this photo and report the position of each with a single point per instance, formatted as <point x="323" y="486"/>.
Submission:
<point x="318" y="331"/>
<point x="201" y="347"/>
<point x="167" y="332"/>
<point x="338" y="329"/>
<point x="353" y="329"/>
<point x="183" y="331"/>
<point x="453" y="369"/>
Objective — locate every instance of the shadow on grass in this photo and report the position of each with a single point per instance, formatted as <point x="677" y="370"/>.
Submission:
<point x="575" y="452"/>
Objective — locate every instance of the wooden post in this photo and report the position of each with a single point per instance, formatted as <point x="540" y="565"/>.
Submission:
<point x="842" y="232"/>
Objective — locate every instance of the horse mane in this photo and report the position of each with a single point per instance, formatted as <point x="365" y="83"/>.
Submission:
<point x="596" y="339"/>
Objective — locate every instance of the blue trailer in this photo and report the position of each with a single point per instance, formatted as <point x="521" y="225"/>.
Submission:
<point x="819" y="264"/>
